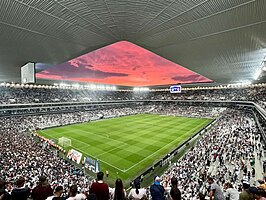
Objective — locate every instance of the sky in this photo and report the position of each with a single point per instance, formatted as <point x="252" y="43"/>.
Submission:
<point x="121" y="63"/>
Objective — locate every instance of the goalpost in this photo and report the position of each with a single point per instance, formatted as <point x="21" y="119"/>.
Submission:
<point x="64" y="142"/>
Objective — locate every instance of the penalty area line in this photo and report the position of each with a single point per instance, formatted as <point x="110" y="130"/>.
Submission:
<point x="79" y="149"/>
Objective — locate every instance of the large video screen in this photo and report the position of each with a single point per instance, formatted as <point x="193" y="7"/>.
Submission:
<point x="121" y="63"/>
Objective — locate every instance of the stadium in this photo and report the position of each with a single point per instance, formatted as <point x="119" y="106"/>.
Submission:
<point x="121" y="99"/>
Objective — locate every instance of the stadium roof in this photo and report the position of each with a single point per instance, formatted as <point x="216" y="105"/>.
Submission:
<point x="222" y="40"/>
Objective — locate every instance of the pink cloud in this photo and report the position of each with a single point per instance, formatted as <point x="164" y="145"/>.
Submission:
<point x="122" y="63"/>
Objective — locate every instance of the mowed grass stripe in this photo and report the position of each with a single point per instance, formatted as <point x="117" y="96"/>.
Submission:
<point x="113" y="143"/>
<point x="153" y="154"/>
<point x="130" y="143"/>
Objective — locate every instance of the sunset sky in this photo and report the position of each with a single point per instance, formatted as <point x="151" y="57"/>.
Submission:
<point x="121" y="63"/>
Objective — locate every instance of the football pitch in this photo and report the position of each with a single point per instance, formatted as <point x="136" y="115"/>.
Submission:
<point x="127" y="146"/>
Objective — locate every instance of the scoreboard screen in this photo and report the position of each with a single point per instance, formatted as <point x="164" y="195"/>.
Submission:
<point x="175" y="89"/>
<point x="28" y="73"/>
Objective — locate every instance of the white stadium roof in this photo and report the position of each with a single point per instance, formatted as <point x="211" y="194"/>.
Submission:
<point x="223" y="40"/>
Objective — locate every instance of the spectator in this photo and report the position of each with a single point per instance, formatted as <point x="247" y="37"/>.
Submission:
<point x="262" y="184"/>
<point x="4" y="191"/>
<point x="230" y="192"/>
<point x="262" y="195"/>
<point x="175" y="193"/>
<point x="42" y="190"/>
<point x="215" y="191"/>
<point x="118" y="193"/>
<point x="137" y="193"/>
<point x="57" y="193"/>
<point x="73" y="194"/>
<point x="256" y="193"/>
<point x="157" y="190"/>
<point x="246" y="194"/>
<point x="100" y="188"/>
<point x="20" y="192"/>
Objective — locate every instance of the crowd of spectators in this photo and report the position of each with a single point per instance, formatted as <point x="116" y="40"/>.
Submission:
<point x="255" y="94"/>
<point x="43" y="120"/>
<point x="23" y="156"/>
<point x="226" y="152"/>
<point x="9" y="95"/>
<point x="46" y="120"/>
<point x="187" y="111"/>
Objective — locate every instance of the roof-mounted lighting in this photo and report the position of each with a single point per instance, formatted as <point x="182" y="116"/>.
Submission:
<point x="141" y="89"/>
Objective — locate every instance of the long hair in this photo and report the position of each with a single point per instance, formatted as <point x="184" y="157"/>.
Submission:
<point x="175" y="192"/>
<point x="119" y="190"/>
<point x="137" y="185"/>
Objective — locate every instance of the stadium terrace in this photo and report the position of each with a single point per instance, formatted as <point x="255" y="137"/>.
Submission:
<point x="107" y="126"/>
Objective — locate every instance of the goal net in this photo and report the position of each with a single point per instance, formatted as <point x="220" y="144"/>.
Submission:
<point x="64" y="142"/>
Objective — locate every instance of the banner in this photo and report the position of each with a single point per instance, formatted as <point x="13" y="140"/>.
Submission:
<point x="74" y="155"/>
<point x="91" y="164"/>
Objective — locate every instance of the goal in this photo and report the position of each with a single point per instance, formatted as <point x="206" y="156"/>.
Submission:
<point x="64" y="142"/>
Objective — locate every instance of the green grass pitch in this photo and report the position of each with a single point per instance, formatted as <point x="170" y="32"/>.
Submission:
<point x="127" y="146"/>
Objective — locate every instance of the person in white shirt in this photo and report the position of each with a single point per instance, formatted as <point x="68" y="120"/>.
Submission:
<point x="137" y="192"/>
<point x="118" y="192"/>
<point x="230" y="192"/>
<point x="215" y="190"/>
<point x="73" y="194"/>
<point x="57" y="193"/>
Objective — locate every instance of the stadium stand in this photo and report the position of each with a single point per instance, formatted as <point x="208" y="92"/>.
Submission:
<point x="221" y="153"/>
<point x="45" y="95"/>
<point x="227" y="152"/>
